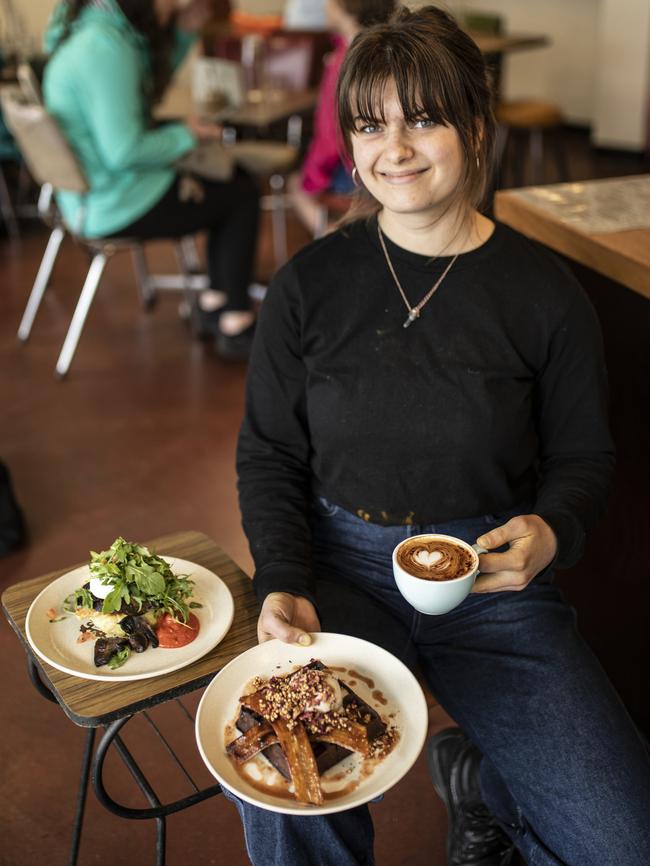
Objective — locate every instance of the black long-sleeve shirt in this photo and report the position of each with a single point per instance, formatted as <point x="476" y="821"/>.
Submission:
<point x="495" y="396"/>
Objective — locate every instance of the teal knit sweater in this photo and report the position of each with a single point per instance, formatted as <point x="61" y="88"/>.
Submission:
<point x="93" y="87"/>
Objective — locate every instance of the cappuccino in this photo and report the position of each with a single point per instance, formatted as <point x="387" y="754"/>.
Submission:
<point x="434" y="572"/>
<point x="435" y="558"/>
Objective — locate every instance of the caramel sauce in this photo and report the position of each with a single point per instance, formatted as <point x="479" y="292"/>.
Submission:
<point x="370" y="683"/>
<point x="341" y="792"/>
<point x="278" y="787"/>
<point x="379" y="697"/>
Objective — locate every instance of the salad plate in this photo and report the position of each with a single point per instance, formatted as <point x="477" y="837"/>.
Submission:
<point x="56" y="641"/>
<point x="377" y="677"/>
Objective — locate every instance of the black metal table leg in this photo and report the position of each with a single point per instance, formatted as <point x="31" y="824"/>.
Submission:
<point x="81" y="795"/>
<point x="92" y="768"/>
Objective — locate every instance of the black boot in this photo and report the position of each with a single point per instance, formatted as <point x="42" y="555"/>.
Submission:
<point x="474" y="838"/>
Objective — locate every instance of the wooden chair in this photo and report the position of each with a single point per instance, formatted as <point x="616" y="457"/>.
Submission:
<point x="529" y="124"/>
<point x="55" y="167"/>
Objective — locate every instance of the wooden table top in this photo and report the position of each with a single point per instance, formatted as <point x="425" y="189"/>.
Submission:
<point x="91" y="703"/>
<point x="507" y="42"/>
<point x="260" y="111"/>
<point x="603" y="224"/>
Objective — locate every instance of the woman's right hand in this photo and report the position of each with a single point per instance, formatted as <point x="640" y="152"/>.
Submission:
<point x="287" y="617"/>
<point x="203" y="129"/>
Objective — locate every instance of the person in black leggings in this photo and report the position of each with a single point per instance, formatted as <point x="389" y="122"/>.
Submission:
<point x="229" y="211"/>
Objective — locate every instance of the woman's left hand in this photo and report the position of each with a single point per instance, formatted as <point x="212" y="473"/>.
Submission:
<point x="532" y="546"/>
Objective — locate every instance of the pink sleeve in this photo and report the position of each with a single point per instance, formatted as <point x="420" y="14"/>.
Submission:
<point x="325" y="150"/>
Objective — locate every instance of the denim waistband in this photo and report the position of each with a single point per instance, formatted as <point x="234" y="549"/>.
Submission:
<point x="332" y="519"/>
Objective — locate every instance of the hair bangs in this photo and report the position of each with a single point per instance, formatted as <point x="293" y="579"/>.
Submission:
<point x="438" y="73"/>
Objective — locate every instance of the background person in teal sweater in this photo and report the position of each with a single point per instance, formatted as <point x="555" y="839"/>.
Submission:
<point x="110" y="62"/>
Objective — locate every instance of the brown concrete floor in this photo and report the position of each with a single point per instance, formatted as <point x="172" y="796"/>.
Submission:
<point x="138" y="441"/>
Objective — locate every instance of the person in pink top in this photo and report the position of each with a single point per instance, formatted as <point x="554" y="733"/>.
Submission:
<point x="325" y="168"/>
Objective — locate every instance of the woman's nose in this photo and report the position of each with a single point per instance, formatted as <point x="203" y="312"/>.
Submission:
<point x="398" y="146"/>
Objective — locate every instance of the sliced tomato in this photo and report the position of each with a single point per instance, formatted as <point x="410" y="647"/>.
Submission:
<point x="173" y="634"/>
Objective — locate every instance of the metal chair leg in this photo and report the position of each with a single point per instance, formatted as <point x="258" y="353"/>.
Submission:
<point x="147" y="291"/>
<point x="501" y="148"/>
<point x="41" y="281"/>
<point x="278" y="220"/>
<point x="190" y="254"/>
<point x="81" y="311"/>
<point x="536" y="156"/>
<point x="560" y="154"/>
<point x="186" y="257"/>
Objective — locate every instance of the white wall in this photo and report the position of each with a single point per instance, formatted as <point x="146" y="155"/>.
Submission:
<point x="622" y="77"/>
<point x="561" y="71"/>
<point x="597" y="67"/>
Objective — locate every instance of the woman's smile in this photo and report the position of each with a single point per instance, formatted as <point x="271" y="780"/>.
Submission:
<point x="402" y="177"/>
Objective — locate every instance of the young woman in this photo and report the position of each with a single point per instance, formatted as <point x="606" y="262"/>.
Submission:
<point x="325" y="168"/>
<point x="110" y="62"/>
<point x="427" y="369"/>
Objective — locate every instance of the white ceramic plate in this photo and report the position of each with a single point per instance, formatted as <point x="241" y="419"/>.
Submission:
<point x="405" y="707"/>
<point x="56" y="642"/>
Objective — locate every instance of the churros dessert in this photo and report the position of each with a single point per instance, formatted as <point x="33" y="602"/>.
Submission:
<point x="306" y="722"/>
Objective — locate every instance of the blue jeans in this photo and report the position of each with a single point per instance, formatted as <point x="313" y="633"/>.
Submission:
<point x="563" y="770"/>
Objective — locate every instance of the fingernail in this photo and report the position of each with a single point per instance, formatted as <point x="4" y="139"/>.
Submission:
<point x="304" y="639"/>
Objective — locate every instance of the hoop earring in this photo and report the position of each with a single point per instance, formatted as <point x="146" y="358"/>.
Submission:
<point x="355" y="177"/>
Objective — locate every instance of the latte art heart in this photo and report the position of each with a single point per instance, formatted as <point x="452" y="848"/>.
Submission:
<point x="435" y="559"/>
<point x="427" y="558"/>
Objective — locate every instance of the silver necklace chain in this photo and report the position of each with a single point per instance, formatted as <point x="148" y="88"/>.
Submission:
<point x="414" y="312"/>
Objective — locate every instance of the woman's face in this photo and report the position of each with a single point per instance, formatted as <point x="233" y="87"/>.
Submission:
<point x="409" y="168"/>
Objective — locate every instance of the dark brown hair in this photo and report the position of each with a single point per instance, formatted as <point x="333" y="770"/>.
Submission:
<point x="368" y="12"/>
<point x="439" y="73"/>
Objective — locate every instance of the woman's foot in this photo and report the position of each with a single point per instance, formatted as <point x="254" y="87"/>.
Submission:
<point x="236" y="346"/>
<point x="205" y="313"/>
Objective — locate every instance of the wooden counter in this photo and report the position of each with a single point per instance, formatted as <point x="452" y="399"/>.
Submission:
<point x="602" y="228"/>
<point x="602" y="224"/>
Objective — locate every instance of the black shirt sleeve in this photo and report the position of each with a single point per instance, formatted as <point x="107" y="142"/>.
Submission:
<point x="274" y="448"/>
<point x="576" y="450"/>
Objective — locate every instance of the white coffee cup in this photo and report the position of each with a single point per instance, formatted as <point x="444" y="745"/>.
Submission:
<point x="436" y="596"/>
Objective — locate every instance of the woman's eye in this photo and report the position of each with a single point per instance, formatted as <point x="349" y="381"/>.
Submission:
<point x="424" y="123"/>
<point x="368" y="129"/>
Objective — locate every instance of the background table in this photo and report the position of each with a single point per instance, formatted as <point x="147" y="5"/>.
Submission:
<point x="92" y="704"/>
<point x="260" y="113"/>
